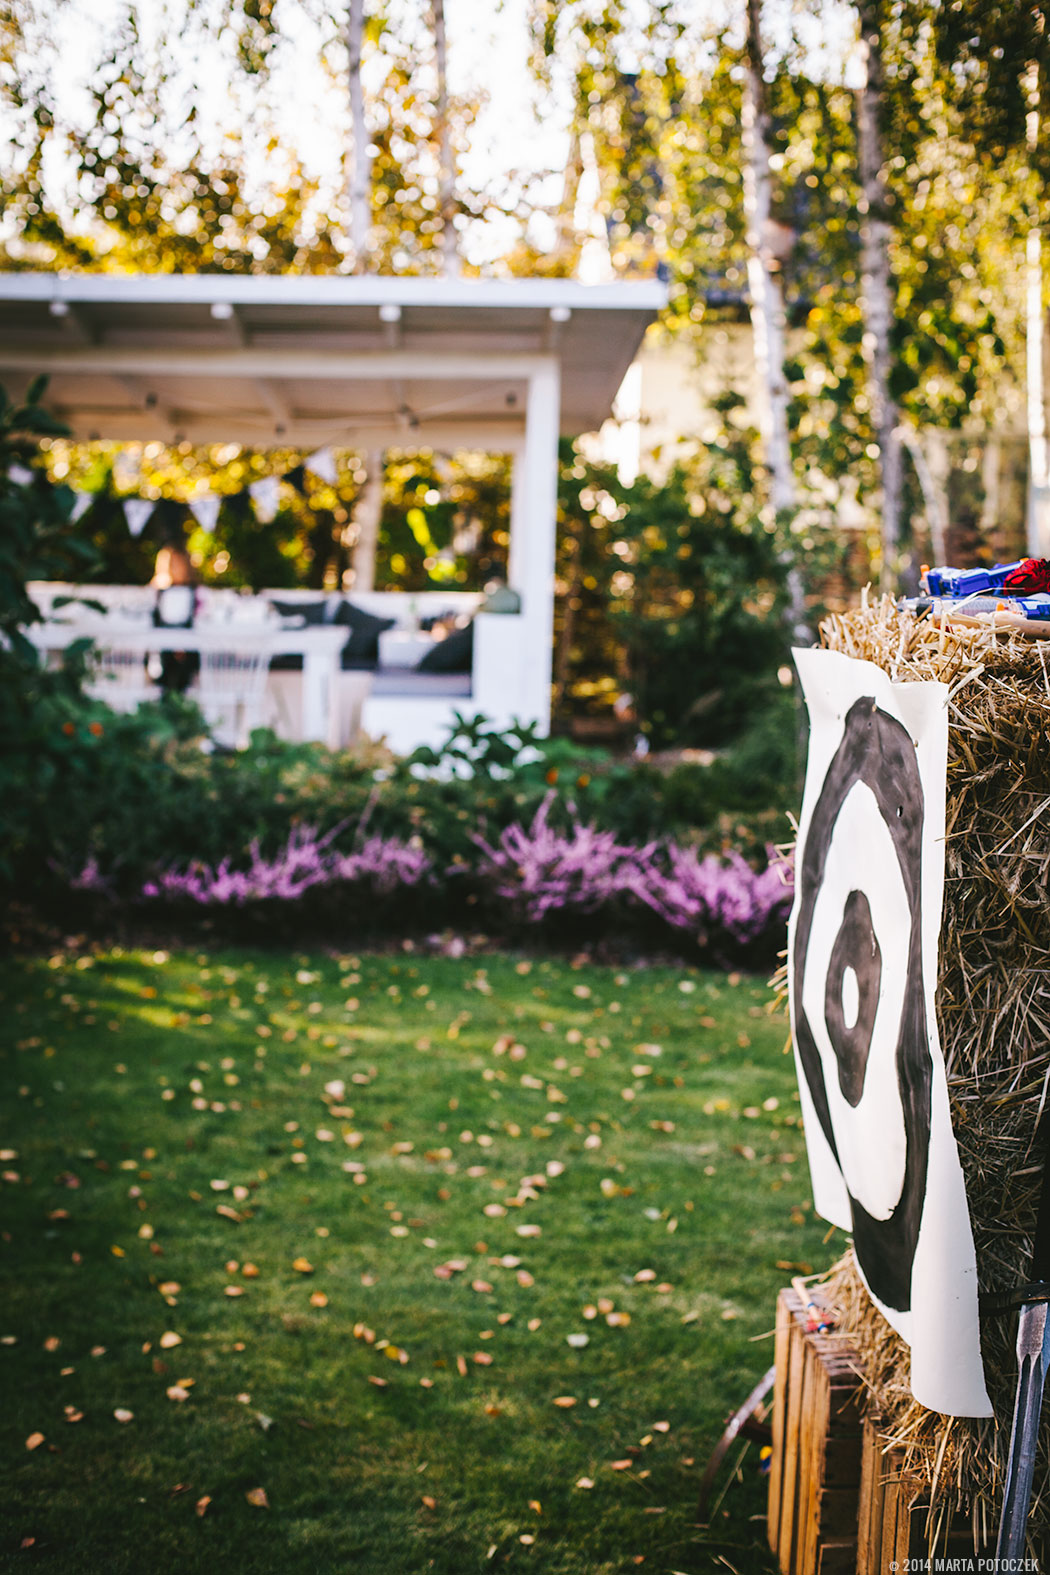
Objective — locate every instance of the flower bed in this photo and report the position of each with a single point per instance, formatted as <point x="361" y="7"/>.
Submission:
<point x="553" y="881"/>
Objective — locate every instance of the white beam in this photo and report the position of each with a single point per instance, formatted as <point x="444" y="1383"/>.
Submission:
<point x="371" y="290"/>
<point x="144" y="426"/>
<point x="276" y="402"/>
<point x="74" y="323"/>
<point x="145" y="398"/>
<point x="255" y="362"/>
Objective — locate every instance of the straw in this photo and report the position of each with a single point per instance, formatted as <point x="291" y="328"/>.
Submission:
<point x="993" y="1012"/>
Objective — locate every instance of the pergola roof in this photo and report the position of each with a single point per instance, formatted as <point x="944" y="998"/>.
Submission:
<point x="302" y="361"/>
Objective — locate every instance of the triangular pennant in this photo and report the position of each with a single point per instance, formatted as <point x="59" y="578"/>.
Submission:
<point x="21" y="475"/>
<point x="205" y="510"/>
<point x="137" y="511"/>
<point x="82" y="501"/>
<point x="265" y="494"/>
<point x="322" y="463"/>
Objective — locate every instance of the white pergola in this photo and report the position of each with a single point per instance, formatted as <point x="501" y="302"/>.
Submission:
<point x="505" y="366"/>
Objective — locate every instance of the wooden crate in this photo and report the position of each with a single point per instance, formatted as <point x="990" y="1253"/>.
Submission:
<point x="814" y="1477"/>
<point x="894" y="1519"/>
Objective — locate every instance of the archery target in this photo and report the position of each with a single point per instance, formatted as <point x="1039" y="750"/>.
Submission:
<point x="862" y="965"/>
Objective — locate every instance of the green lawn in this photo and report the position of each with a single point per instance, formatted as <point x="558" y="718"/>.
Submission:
<point x="348" y="1229"/>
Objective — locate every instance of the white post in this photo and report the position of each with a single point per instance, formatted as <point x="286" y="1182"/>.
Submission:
<point x="534" y="522"/>
<point x="519" y="503"/>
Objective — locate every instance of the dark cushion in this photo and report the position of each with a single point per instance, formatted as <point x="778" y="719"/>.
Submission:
<point x="362" y="648"/>
<point x="453" y="654"/>
<point x="309" y="612"/>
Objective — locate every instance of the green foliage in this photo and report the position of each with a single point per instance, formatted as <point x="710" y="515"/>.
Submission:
<point x="674" y="594"/>
<point x="137" y="181"/>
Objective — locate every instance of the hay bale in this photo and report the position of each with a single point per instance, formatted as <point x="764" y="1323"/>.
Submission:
<point x="993" y="1010"/>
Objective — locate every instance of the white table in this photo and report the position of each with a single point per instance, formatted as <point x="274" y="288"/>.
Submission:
<point x="319" y="646"/>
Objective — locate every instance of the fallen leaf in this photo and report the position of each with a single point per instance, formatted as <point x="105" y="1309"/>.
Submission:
<point x="169" y="1339"/>
<point x="257" y="1498"/>
<point x="201" y="1506"/>
<point x="620" y="1465"/>
<point x="380" y="1383"/>
<point x="566" y="1402"/>
<point x="249" y="1271"/>
<point x="429" y="1503"/>
<point x="34" y="1440"/>
<point x="177" y="1392"/>
<point x="303" y="1266"/>
<point x="577" y="1341"/>
<point x="233" y="1290"/>
<point x="584" y="1482"/>
<point x="123" y="1415"/>
<point x="318" y="1299"/>
<point x="482" y="1287"/>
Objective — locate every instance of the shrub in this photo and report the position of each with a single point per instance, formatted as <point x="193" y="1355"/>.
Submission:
<point x="539" y="871"/>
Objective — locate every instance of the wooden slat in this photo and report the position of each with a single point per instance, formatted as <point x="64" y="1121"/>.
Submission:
<point x="872" y="1496"/>
<point x="781" y="1349"/>
<point x="792" y="1450"/>
<point x="815" y="1470"/>
<point x="818" y="1502"/>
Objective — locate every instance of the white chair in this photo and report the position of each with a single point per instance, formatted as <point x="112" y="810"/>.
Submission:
<point x="120" y="679"/>
<point x="230" y="691"/>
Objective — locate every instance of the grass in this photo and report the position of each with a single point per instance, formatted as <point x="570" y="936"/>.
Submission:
<point x="270" y="1156"/>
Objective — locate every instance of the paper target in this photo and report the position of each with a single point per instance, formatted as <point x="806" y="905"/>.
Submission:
<point x="862" y="964"/>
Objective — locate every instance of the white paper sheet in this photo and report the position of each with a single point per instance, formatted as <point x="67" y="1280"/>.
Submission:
<point x="862" y="966"/>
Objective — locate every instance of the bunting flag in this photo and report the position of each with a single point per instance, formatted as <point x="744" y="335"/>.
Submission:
<point x="296" y="477"/>
<point x="205" y="510"/>
<point x="322" y="464"/>
<point x="137" y="511"/>
<point x="265" y="495"/>
<point x="21" y="475"/>
<point x="262" y="496"/>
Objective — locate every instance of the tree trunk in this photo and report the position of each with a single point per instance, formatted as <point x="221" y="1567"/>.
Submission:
<point x="368" y="508"/>
<point x="991" y="483"/>
<point x="360" y="170"/>
<point x="446" y="157"/>
<point x="768" y="321"/>
<point x="876" y="284"/>
<point x="767" y="299"/>
<point x="368" y="511"/>
<point x="567" y="237"/>
<point x="570" y="603"/>
<point x="932" y="460"/>
<point x="1038" y="448"/>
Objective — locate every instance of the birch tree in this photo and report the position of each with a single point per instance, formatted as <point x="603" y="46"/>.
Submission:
<point x="876" y="284"/>
<point x="363" y="529"/>
<point x="763" y="270"/>
<point x="1035" y="340"/>
<point x="359" y="162"/>
<point x="768" y="318"/>
<point x="998" y="51"/>
<point x="446" y="155"/>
